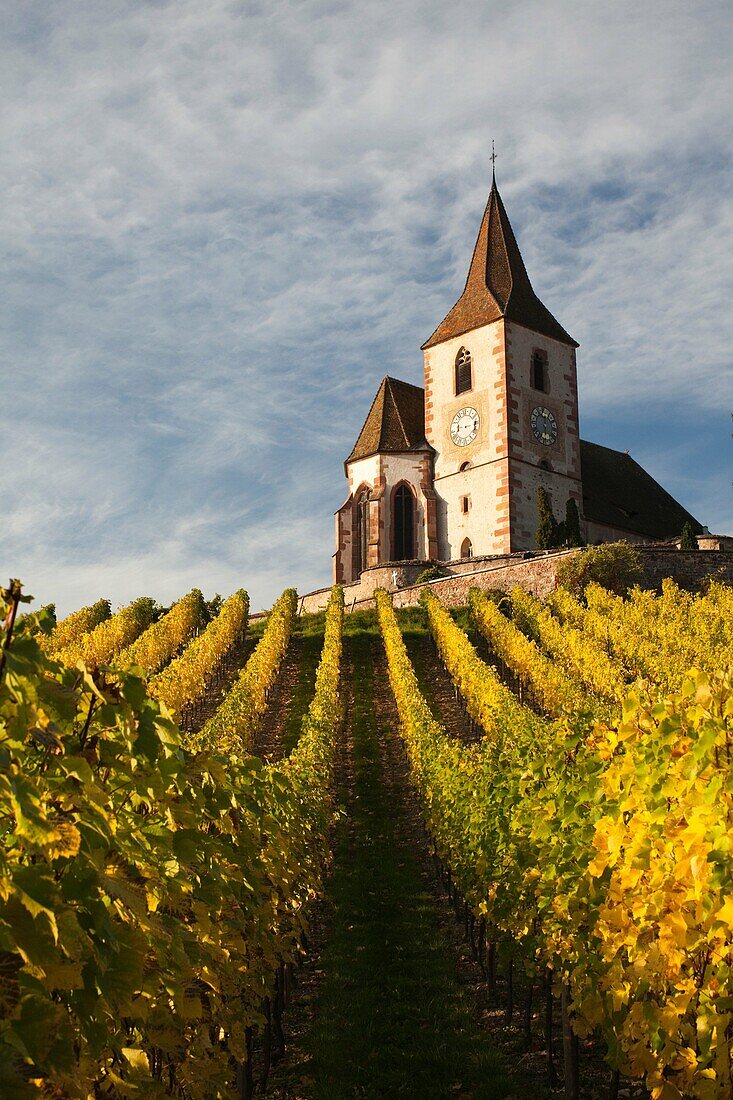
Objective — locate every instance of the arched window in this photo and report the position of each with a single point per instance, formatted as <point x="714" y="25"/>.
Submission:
<point x="466" y="549"/>
<point x="403" y="524"/>
<point x="545" y="465"/>
<point x="464" y="379"/>
<point x="361" y="531"/>
<point x="464" y="466"/>
<point x="538" y="371"/>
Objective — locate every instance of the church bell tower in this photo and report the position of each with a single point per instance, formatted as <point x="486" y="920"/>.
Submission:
<point x="501" y="404"/>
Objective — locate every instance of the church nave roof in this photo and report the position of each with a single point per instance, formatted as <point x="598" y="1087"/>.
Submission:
<point x="618" y="492"/>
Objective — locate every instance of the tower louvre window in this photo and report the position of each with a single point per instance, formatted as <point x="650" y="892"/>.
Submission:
<point x="464" y="377"/>
<point x="538" y="375"/>
<point x="465" y="504"/>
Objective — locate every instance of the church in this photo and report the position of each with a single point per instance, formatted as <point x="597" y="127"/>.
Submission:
<point x="452" y="470"/>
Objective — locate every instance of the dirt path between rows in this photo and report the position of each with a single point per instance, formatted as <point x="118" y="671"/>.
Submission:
<point x="267" y="742"/>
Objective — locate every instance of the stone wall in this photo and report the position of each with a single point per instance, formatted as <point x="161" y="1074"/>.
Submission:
<point x="534" y="571"/>
<point x="688" y="567"/>
<point x="536" y="575"/>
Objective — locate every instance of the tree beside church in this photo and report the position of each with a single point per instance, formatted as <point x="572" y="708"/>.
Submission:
<point x="454" y="470"/>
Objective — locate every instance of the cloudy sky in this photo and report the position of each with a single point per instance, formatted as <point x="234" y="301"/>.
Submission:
<point x="222" y="223"/>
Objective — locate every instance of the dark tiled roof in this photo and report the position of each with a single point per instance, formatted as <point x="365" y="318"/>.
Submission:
<point x="396" y="421"/>
<point x="498" y="284"/>
<point x="619" y="493"/>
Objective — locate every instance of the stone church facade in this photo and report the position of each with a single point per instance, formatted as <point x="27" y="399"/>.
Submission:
<point x="452" y="471"/>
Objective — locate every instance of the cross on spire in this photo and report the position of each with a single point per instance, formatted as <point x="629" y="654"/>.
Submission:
<point x="493" y="162"/>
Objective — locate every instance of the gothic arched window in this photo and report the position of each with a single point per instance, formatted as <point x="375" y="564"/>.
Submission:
<point x="538" y="371"/>
<point x="464" y="380"/>
<point x="361" y="531"/>
<point x="403" y="524"/>
<point x="466" y="549"/>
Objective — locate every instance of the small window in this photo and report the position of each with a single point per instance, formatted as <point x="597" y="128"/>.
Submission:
<point x="538" y="371"/>
<point x="466" y="549"/>
<point x="545" y="465"/>
<point x="464" y="380"/>
<point x="464" y="466"/>
<point x="465" y="504"/>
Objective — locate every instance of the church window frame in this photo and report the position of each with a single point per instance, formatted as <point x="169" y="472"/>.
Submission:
<point x="361" y="529"/>
<point x="466" y="549"/>
<point x="402" y="540"/>
<point x="539" y="375"/>
<point x="463" y="371"/>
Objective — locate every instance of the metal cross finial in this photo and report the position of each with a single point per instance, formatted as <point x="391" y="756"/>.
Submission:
<point x="493" y="162"/>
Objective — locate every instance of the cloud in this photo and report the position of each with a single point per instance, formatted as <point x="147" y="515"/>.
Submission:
<point x="222" y="224"/>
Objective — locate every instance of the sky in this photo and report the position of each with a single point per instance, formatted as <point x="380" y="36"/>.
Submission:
<point x="223" y="223"/>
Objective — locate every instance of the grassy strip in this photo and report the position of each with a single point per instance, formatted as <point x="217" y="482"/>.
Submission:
<point x="392" y="1018"/>
<point x="299" y="701"/>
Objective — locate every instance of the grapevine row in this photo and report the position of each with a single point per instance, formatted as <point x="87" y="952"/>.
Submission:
<point x="603" y="853"/>
<point x="99" y="646"/>
<point x="151" y="896"/>
<point x="552" y="689"/>
<point x="186" y="679"/>
<point x="657" y="637"/>
<point x="161" y="641"/>
<point x="74" y="626"/>
<point x="234" y="722"/>
<point x="574" y="649"/>
<point x="488" y="701"/>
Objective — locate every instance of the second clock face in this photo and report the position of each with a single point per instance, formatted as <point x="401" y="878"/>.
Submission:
<point x="544" y="425"/>
<point x="464" y="427"/>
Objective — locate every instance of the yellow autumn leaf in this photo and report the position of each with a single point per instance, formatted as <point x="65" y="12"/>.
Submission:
<point x="138" y="1059"/>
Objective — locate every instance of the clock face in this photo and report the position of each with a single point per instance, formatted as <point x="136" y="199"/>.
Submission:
<point x="544" y="425"/>
<point x="464" y="427"/>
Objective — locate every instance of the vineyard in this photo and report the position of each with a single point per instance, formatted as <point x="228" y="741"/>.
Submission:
<point x="197" y="808"/>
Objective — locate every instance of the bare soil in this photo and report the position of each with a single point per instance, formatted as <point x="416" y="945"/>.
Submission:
<point x="268" y="738"/>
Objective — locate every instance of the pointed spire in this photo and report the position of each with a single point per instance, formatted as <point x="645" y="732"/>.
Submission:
<point x="498" y="284"/>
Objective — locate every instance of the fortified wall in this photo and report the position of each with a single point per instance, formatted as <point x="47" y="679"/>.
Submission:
<point x="533" y="570"/>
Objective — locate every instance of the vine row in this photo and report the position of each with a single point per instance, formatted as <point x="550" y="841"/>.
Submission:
<point x="152" y="897"/>
<point x="599" y="852"/>
<point x="186" y="679"/>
